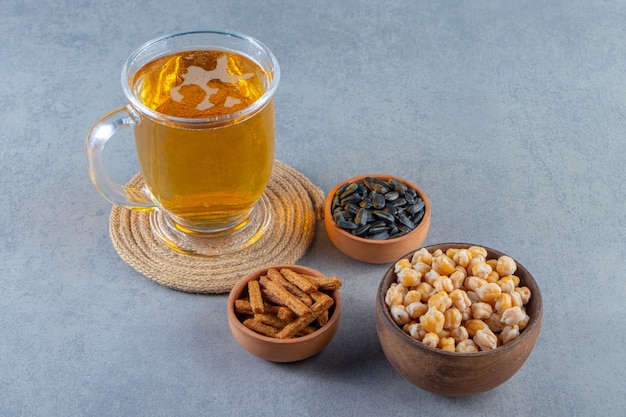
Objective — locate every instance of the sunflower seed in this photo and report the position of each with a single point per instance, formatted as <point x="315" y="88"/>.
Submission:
<point x="350" y="189"/>
<point x="361" y="217"/>
<point x="384" y="216"/>
<point x="347" y="225"/>
<point x="380" y="236"/>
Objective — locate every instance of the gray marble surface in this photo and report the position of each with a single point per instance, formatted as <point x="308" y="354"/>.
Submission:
<point x="510" y="115"/>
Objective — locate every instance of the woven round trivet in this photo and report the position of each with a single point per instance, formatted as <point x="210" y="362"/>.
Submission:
<point x="296" y="206"/>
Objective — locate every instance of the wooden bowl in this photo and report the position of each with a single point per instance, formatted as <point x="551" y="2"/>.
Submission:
<point x="375" y="251"/>
<point x="453" y="373"/>
<point x="281" y="350"/>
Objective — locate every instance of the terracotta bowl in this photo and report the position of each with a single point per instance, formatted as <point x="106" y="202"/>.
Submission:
<point x="281" y="350"/>
<point x="453" y="373"/>
<point x="375" y="251"/>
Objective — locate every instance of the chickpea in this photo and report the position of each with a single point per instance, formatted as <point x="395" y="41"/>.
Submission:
<point x="443" y="283"/>
<point x="395" y="294"/>
<point x="409" y="277"/>
<point x="524" y="293"/>
<point x="478" y="251"/>
<point x="506" y="266"/>
<point x="493" y="263"/>
<point x="462" y="257"/>
<point x="493" y="277"/>
<point x="460" y="299"/>
<point x="466" y="346"/>
<point x="473" y="296"/>
<point x="431" y="276"/>
<point x="509" y="333"/>
<point x="522" y="324"/>
<point x="431" y="339"/>
<point x="481" y="270"/>
<point x="513" y="315"/>
<point x="475" y="260"/>
<point x="459" y="334"/>
<point x="447" y="343"/>
<point x="416" y="330"/>
<point x="467" y="314"/>
<point x="494" y="321"/>
<point x="399" y="314"/>
<point x="486" y="339"/>
<point x="481" y="310"/>
<point x="503" y="302"/>
<point x="422" y="255"/>
<point x="472" y="283"/>
<point x="507" y="284"/>
<point x="452" y="318"/>
<point x="432" y="320"/>
<point x="425" y="289"/>
<point x="515" y="279"/>
<point x="461" y="270"/>
<point x="421" y="267"/>
<point x="416" y="309"/>
<point x="443" y="265"/>
<point x="441" y="301"/>
<point x="474" y="325"/>
<point x="444" y="333"/>
<point x="411" y="296"/>
<point x="516" y="299"/>
<point x="457" y="278"/>
<point x="450" y="252"/>
<point x="489" y="292"/>
<point x="402" y="264"/>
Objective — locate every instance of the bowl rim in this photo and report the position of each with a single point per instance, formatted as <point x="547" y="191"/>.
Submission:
<point x="241" y="286"/>
<point x="422" y="224"/>
<point x="534" y="321"/>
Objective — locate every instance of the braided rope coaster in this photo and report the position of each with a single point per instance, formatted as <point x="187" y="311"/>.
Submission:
<point x="296" y="206"/>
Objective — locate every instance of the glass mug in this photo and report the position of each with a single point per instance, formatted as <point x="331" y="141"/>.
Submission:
<point x="201" y="105"/>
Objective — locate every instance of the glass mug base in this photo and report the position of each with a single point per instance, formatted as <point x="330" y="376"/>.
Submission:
<point x="213" y="243"/>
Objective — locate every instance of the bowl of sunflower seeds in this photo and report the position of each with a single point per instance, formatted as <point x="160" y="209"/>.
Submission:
<point x="376" y="218"/>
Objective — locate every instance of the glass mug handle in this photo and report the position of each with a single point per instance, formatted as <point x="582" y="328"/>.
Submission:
<point x="133" y="198"/>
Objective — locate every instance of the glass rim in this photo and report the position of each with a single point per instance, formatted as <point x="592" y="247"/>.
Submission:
<point x="253" y="108"/>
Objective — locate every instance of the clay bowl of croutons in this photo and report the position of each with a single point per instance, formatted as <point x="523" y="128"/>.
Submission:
<point x="284" y="313"/>
<point x="457" y="319"/>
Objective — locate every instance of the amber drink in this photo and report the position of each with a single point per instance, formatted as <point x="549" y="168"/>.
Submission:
<point x="202" y="110"/>
<point x="205" y="178"/>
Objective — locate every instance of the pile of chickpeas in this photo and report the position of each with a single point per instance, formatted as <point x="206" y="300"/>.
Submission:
<point x="458" y="300"/>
